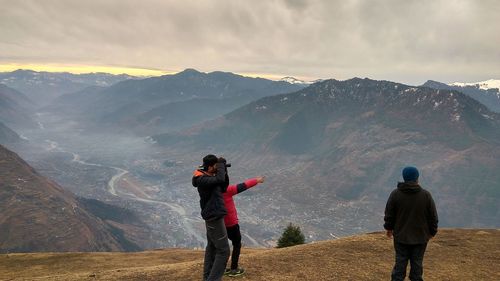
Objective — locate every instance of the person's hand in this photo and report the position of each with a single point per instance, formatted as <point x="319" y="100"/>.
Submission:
<point x="221" y="160"/>
<point x="260" y="179"/>
<point x="389" y="233"/>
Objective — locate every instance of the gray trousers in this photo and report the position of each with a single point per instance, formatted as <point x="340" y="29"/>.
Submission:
<point x="413" y="253"/>
<point x="217" y="250"/>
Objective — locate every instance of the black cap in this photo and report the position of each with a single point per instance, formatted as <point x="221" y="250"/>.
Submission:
<point x="209" y="160"/>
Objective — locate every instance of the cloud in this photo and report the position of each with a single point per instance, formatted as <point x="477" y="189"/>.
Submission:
<point x="408" y="41"/>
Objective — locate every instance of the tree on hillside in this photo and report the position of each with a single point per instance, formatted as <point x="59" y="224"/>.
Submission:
<point x="291" y="236"/>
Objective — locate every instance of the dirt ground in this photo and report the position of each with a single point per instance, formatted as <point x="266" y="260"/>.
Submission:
<point x="455" y="254"/>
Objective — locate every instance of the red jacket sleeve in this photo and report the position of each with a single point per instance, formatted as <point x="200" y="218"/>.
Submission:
<point x="251" y="183"/>
<point x="234" y="189"/>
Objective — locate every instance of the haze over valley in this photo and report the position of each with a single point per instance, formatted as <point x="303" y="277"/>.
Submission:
<point x="331" y="152"/>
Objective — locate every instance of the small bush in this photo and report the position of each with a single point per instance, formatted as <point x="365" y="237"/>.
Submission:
<point x="291" y="236"/>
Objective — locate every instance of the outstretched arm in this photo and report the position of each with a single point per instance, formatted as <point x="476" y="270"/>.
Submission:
<point x="238" y="188"/>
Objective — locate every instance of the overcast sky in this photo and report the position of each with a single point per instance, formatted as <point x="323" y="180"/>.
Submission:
<point x="405" y="41"/>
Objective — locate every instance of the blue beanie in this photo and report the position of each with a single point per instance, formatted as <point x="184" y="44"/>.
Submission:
<point x="410" y="174"/>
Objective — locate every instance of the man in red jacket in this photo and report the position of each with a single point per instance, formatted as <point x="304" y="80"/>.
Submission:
<point x="231" y="222"/>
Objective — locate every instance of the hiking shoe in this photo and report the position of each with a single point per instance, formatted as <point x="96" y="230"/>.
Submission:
<point x="236" y="272"/>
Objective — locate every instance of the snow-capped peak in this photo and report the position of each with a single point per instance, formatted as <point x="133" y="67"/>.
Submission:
<point x="293" y="80"/>
<point x="483" y="85"/>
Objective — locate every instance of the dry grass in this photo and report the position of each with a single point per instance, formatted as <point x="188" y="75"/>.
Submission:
<point x="452" y="255"/>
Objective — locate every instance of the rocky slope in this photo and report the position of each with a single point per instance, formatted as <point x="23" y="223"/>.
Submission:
<point x="37" y="215"/>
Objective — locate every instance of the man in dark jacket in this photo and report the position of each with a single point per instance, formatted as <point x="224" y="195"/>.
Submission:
<point x="212" y="181"/>
<point x="411" y="218"/>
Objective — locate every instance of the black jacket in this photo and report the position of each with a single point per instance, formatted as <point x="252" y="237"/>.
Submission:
<point x="210" y="189"/>
<point x="411" y="214"/>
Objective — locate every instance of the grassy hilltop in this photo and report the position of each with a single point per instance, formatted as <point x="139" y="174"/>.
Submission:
<point x="455" y="254"/>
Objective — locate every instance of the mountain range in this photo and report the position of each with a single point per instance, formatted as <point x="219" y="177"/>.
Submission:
<point x="37" y="215"/>
<point x="484" y="85"/>
<point x="343" y="143"/>
<point x="42" y="87"/>
<point x="309" y="114"/>
<point x="156" y="104"/>
<point x="486" y="92"/>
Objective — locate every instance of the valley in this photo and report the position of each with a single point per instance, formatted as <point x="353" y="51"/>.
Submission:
<point x="155" y="183"/>
<point x="331" y="154"/>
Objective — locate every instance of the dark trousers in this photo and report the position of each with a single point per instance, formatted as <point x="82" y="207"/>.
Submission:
<point x="405" y="252"/>
<point x="217" y="251"/>
<point x="234" y="234"/>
